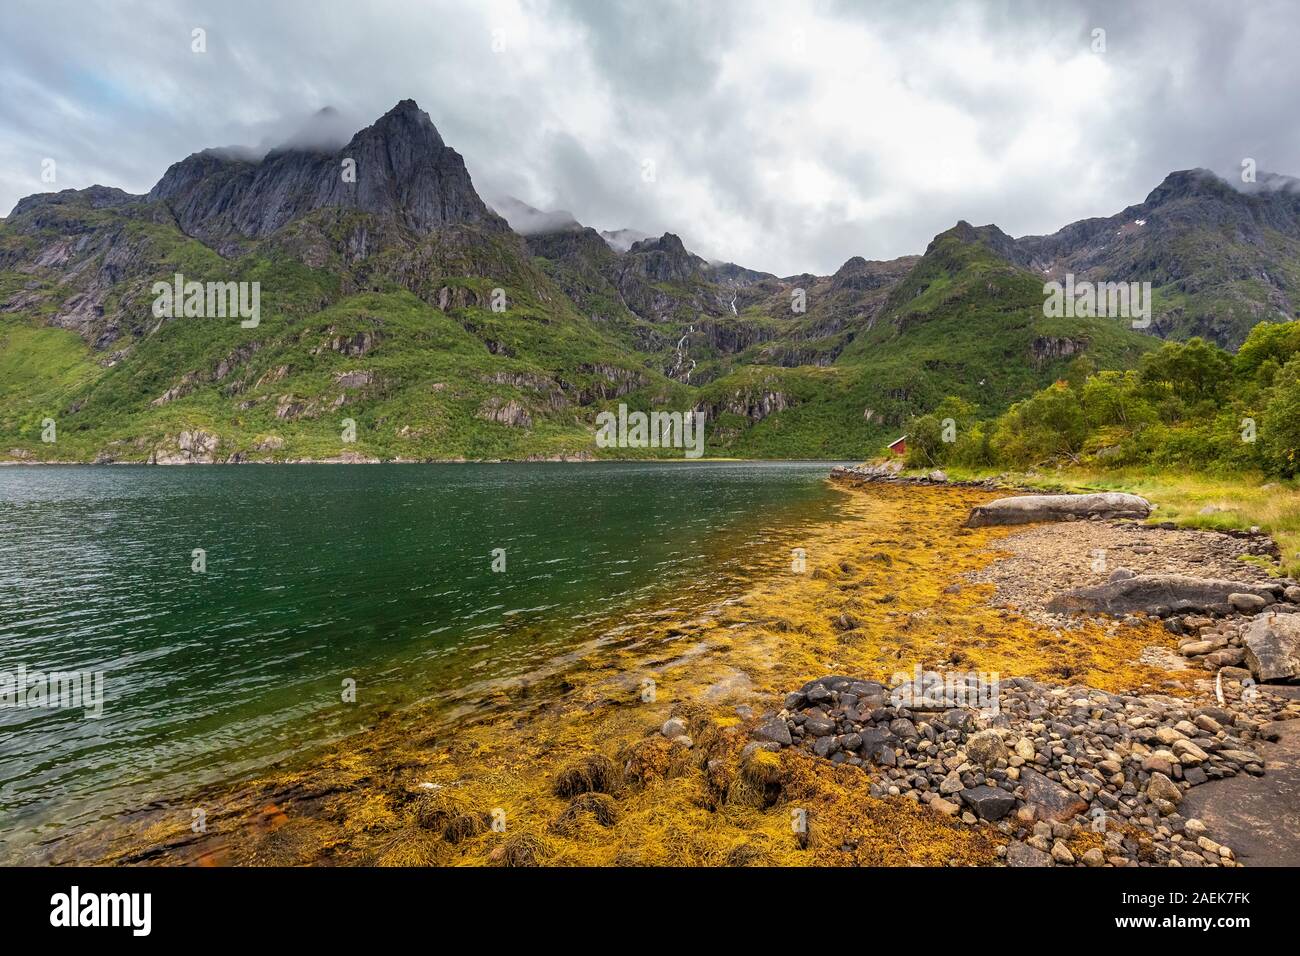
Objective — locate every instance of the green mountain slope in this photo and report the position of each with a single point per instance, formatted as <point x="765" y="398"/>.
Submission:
<point x="413" y="324"/>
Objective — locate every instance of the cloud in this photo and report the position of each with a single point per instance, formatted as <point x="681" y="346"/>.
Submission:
<point x="787" y="136"/>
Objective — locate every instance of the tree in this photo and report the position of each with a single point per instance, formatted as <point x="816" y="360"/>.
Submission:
<point x="1279" y="427"/>
<point x="941" y="435"/>
<point x="1045" y="426"/>
<point x="1195" y="370"/>
<point x="1268" y="343"/>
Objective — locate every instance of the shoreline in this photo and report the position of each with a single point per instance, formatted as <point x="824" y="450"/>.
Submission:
<point x="579" y="766"/>
<point x="418" y="461"/>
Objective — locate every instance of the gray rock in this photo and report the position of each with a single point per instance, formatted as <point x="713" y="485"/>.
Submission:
<point x="818" y="694"/>
<point x="772" y="729"/>
<point x="1021" y="854"/>
<point x="1161" y="787"/>
<point x="1024" y="509"/>
<point x="1047" y="799"/>
<point x="818" y="725"/>
<point x="675" y="727"/>
<point x="878" y="745"/>
<point x="986" y="748"/>
<point x="903" y="728"/>
<point x="988" y="803"/>
<point x="1247" y="603"/>
<point x="1146" y="592"/>
<point x="1273" y="647"/>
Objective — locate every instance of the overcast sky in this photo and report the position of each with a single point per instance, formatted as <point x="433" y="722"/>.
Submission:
<point x="785" y="136"/>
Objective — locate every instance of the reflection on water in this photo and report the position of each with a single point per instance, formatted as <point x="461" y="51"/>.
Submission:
<point x="318" y="575"/>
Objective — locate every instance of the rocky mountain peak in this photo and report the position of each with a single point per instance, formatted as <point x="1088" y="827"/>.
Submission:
<point x="860" y="275"/>
<point x="665" y="259"/>
<point x="398" y="167"/>
<point x="96" y="197"/>
<point x="405" y="124"/>
<point x="1188" y="183"/>
<point x="989" y="236"/>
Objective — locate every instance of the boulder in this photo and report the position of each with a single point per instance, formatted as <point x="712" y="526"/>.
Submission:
<point x="1024" y="509"/>
<point x="986" y="748"/>
<point x="988" y="803"/>
<point x="878" y="745"/>
<point x="1148" y="592"/>
<point x="946" y="807"/>
<point x="774" y="730"/>
<point x="1161" y="787"/>
<point x="1022" y="854"/>
<point x="1273" y="647"/>
<point x="1048" y="799"/>
<point x="675" y="727"/>
<point x="1248" y="603"/>
<point x="818" y="725"/>
<point x="1061" y="853"/>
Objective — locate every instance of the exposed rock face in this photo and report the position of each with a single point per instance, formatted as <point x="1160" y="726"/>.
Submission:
<point x="1273" y="647"/>
<point x="1025" y="509"/>
<point x="192" y="447"/>
<point x="1152" y="593"/>
<point x="663" y="260"/>
<point x="403" y="170"/>
<point x="1045" y="349"/>
<point x="99" y="197"/>
<point x="754" y="405"/>
<point x="737" y="276"/>
<point x="1168" y="240"/>
<point x="506" y="412"/>
<point x="356" y="379"/>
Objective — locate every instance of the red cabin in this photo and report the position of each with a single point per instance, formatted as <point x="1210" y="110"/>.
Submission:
<point x="898" y="446"/>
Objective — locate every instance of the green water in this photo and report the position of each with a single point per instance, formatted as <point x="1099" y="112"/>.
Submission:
<point x="316" y="574"/>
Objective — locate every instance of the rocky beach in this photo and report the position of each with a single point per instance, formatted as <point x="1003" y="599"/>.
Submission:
<point x="998" y="694"/>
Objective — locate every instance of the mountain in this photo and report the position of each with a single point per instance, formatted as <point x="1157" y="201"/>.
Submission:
<point x="400" y="302"/>
<point x="403" y="170"/>
<point x="1220" y="259"/>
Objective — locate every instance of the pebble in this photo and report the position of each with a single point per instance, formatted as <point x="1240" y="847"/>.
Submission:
<point x="1080" y="759"/>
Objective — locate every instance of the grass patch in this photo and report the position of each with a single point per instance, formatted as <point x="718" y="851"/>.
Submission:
<point x="1237" y="503"/>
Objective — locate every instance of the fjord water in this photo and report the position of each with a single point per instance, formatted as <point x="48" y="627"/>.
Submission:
<point x="317" y="574"/>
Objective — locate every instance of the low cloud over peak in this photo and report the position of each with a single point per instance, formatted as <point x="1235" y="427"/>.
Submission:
<point x="784" y="136"/>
